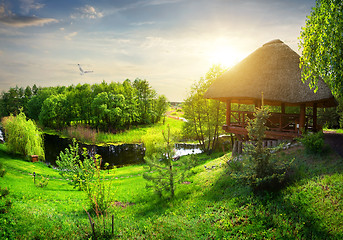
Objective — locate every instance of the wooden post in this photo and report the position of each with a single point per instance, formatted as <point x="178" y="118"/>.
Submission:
<point x="228" y="112"/>
<point x="257" y="104"/>
<point x="302" y="118"/>
<point x="283" y="111"/>
<point x="315" y="117"/>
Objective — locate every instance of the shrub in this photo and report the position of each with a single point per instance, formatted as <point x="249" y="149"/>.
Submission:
<point x="258" y="168"/>
<point x="165" y="171"/>
<point x="99" y="192"/>
<point x="2" y="170"/>
<point x="23" y="136"/>
<point x="313" y="142"/>
<point x="101" y="198"/>
<point x="41" y="182"/>
<point x="5" y="203"/>
<point x="72" y="168"/>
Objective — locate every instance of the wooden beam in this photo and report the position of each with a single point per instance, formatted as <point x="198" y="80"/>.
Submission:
<point x="315" y="117"/>
<point x="228" y="112"/>
<point x="302" y="118"/>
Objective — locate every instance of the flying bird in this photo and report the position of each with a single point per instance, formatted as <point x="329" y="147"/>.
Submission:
<point x="82" y="71"/>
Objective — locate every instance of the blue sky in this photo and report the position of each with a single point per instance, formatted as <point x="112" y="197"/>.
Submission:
<point x="170" y="43"/>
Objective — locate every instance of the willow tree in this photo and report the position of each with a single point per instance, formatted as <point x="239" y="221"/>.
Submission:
<point x="204" y="116"/>
<point x="322" y="49"/>
<point x="23" y="136"/>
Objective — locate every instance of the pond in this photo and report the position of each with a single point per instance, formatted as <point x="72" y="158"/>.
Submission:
<point x="115" y="155"/>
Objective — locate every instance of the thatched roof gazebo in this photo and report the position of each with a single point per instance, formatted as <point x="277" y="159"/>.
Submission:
<point x="273" y="70"/>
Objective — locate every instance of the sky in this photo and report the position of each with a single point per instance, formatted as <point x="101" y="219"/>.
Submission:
<point x="170" y="43"/>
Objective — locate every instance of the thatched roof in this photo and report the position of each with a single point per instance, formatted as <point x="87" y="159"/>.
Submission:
<point x="274" y="70"/>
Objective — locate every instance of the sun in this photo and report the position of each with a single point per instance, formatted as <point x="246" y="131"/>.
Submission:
<point x="222" y="53"/>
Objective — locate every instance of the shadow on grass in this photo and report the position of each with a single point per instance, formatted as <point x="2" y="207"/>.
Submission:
<point x="287" y="213"/>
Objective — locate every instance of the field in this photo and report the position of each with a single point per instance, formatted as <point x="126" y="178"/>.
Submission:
<point x="209" y="205"/>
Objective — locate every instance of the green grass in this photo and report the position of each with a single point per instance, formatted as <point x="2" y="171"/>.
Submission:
<point x="134" y="135"/>
<point x="212" y="206"/>
<point x="334" y="130"/>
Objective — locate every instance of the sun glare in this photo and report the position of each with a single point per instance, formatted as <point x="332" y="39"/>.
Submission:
<point x="221" y="53"/>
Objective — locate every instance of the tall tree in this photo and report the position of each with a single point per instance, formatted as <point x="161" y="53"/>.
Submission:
<point x="145" y="96"/>
<point x="204" y="116"/>
<point x="322" y="49"/>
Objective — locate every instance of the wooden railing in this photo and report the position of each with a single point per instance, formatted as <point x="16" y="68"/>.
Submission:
<point x="282" y="122"/>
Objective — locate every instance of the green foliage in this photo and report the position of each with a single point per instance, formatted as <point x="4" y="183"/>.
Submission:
<point x="99" y="192"/>
<point x="5" y="203"/>
<point x="165" y="171"/>
<point x="101" y="198"/>
<point x="23" y="136"/>
<point x="2" y="170"/>
<point x="259" y="169"/>
<point x="313" y="142"/>
<point x="41" y="181"/>
<point x="205" y="117"/>
<point x="110" y="107"/>
<point x="78" y="172"/>
<point x="321" y="42"/>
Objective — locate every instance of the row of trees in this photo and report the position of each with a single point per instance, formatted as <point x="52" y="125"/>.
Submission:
<point x="103" y="106"/>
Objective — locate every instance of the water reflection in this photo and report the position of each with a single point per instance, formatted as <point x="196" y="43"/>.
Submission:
<point x="115" y="155"/>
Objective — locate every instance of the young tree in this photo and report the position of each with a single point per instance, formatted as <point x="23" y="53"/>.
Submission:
<point x="164" y="172"/>
<point x="204" y="116"/>
<point x="71" y="167"/>
<point x="23" y="136"/>
<point x="321" y="42"/>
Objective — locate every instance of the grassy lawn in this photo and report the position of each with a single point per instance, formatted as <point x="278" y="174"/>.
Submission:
<point x="211" y="205"/>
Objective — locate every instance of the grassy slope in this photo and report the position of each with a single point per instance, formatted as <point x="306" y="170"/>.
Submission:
<point x="212" y="206"/>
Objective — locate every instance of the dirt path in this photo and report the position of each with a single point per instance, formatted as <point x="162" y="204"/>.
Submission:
<point x="335" y="140"/>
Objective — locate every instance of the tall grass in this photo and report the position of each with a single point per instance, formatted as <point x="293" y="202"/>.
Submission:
<point x="135" y="134"/>
<point x="82" y="133"/>
<point x="86" y="134"/>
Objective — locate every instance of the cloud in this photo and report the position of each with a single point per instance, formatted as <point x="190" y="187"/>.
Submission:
<point x="25" y="21"/>
<point x="70" y="36"/>
<point x="142" y="23"/>
<point x="87" y="12"/>
<point x="27" y="5"/>
<point x="13" y="20"/>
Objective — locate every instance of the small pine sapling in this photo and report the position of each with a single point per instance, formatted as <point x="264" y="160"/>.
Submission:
<point x="165" y="170"/>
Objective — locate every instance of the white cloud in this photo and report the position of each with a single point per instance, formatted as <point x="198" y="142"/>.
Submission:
<point x="27" y="5"/>
<point x="70" y="36"/>
<point x="87" y="12"/>
<point x="142" y="23"/>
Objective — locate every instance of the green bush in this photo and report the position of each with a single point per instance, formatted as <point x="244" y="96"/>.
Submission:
<point x="41" y="182"/>
<point x="5" y="203"/>
<point x="99" y="191"/>
<point x="258" y="167"/>
<point x="313" y="142"/>
<point x="23" y="136"/>
<point x="165" y="171"/>
<point x="71" y="167"/>
<point x="2" y="170"/>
